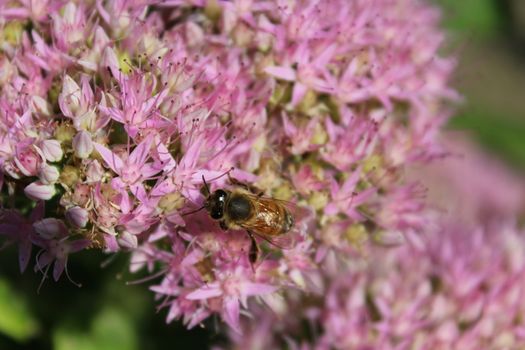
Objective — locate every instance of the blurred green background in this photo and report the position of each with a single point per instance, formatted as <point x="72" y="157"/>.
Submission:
<point x="489" y="38"/>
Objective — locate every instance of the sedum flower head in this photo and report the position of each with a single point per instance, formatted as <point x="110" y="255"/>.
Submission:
<point x="458" y="285"/>
<point x="323" y="104"/>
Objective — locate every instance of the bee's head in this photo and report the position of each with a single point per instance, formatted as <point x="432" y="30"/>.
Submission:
<point x="215" y="204"/>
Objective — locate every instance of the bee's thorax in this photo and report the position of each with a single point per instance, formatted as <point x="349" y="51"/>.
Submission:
<point x="238" y="207"/>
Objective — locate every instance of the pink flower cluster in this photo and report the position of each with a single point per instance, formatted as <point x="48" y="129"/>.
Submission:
<point x="458" y="285"/>
<point x="112" y="112"/>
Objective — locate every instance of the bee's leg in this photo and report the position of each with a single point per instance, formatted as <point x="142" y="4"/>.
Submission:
<point x="223" y="225"/>
<point x="254" y="250"/>
<point x="253" y="189"/>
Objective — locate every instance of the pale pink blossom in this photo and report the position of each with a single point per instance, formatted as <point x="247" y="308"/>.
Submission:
<point x="39" y="191"/>
<point x="124" y="109"/>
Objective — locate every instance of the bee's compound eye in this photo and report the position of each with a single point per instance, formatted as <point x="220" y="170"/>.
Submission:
<point x="216" y="213"/>
<point x="220" y="195"/>
<point x="217" y="204"/>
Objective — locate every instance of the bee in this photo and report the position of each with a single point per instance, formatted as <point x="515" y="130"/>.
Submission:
<point x="246" y="208"/>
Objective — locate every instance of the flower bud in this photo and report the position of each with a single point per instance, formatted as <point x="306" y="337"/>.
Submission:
<point x="242" y="35"/>
<point x="41" y="106"/>
<point x="389" y="238"/>
<point x="52" y="150"/>
<point x="48" y="174"/>
<point x="77" y="216"/>
<point x="49" y="228"/>
<point x="213" y="10"/>
<point x="82" y="144"/>
<point x="28" y="161"/>
<point x="64" y="132"/>
<point x="69" y="99"/>
<point x="69" y="175"/>
<point x="10" y="169"/>
<point x="170" y="202"/>
<point x="81" y="194"/>
<point x="94" y="171"/>
<point x="127" y="240"/>
<point x="39" y="191"/>
<point x="194" y="34"/>
<point x="12" y="32"/>
<point x="7" y="70"/>
<point x="110" y="60"/>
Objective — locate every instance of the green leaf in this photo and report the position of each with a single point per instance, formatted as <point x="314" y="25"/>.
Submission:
<point x="500" y="134"/>
<point x="110" y="330"/>
<point x="114" y="331"/>
<point x="15" y="319"/>
<point x="479" y="17"/>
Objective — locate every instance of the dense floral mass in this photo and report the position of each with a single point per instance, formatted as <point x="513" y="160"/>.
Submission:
<point x="458" y="285"/>
<point x="112" y="113"/>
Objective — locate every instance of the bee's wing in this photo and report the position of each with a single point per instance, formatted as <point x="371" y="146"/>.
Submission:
<point x="289" y="239"/>
<point x="285" y="241"/>
<point x="300" y="214"/>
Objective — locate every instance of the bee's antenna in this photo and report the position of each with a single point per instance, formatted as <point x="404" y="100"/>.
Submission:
<point x="206" y="186"/>
<point x="193" y="211"/>
<point x="227" y="172"/>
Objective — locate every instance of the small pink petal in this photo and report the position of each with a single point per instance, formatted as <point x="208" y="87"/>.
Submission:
<point x="141" y="152"/>
<point x="299" y="90"/>
<point x="60" y="264"/>
<point x="280" y="72"/>
<point x="42" y="261"/>
<point x="52" y="150"/>
<point x="127" y="240"/>
<point x="168" y="163"/>
<point x="125" y="202"/>
<point x="111" y="159"/>
<point x="324" y="58"/>
<point x="49" y="228"/>
<point x="48" y="174"/>
<point x="139" y="192"/>
<point x="24" y="253"/>
<point x="77" y="216"/>
<point x="249" y="288"/>
<point x="82" y="144"/>
<point x="148" y="170"/>
<point x="231" y="313"/>
<point x="197" y="317"/>
<point x="210" y="291"/>
<point x="38" y="212"/>
<point x="111" y="243"/>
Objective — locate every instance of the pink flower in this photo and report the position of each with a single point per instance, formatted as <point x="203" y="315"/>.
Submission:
<point x="138" y="108"/>
<point x="52" y="150"/>
<point x="70" y="27"/>
<point x="20" y="230"/>
<point x="234" y="289"/>
<point x="82" y="144"/>
<point x="321" y="104"/>
<point x="309" y="72"/>
<point x="39" y="191"/>
<point x="344" y="150"/>
<point x="70" y="99"/>
<point x="35" y="9"/>
<point x="57" y="250"/>
<point x="132" y="171"/>
<point x="27" y="159"/>
<point x="48" y="174"/>
<point x="77" y="216"/>
<point x="346" y="199"/>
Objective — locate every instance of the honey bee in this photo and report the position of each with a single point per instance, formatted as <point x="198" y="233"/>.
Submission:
<point x="246" y="208"/>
